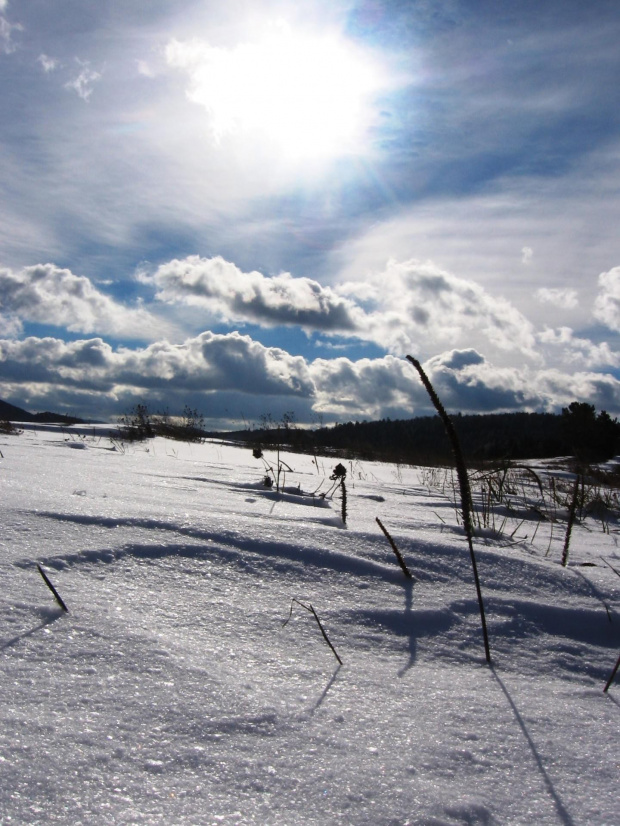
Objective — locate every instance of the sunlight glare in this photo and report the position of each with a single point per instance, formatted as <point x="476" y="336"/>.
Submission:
<point x="308" y="96"/>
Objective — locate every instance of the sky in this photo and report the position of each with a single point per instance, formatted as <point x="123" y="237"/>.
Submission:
<point x="261" y="207"/>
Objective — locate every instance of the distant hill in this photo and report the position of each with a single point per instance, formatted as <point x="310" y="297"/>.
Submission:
<point x="11" y="413"/>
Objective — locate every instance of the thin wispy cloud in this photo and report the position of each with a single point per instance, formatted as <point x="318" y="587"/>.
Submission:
<point x="8" y="29"/>
<point x="83" y="83"/>
<point x="48" y="64"/>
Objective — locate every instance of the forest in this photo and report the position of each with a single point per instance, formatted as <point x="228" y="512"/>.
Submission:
<point x="577" y="431"/>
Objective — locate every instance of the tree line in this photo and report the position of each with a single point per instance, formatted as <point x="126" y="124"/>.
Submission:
<point x="577" y="431"/>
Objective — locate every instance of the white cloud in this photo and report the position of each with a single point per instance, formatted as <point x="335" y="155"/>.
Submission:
<point x="209" y="367"/>
<point x="420" y="306"/>
<point x="365" y="388"/>
<point x="607" y="303"/>
<point x="476" y="235"/>
<point x="581" y="351"/>
<point x="408" y="305"/>
<point x="465" y="381"/>
<point x="7" y="44"/>
<point x="83" y="83"/>
<point x="48" y="64"/>
<point x="144" y="69"/>
<point x="48" y="294"/>
<point x="231" y="295"/>
<point x="527" y="253"/>
<point x="206" y="363"/>
<point x="10" y="326"/>
<point x="566" y="299"/>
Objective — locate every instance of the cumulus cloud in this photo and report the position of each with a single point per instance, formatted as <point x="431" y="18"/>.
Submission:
<point x="417" y="301"/>
<point x="10" y="326"/>
<point x="213" y="366"/>
<point x="464" y="379"/>
<point x="207" y="363"/>
<point x="229" y="294"/>
<point x="607" y="303"/>
<point x="407" y="303"/>
<point x="565" y="298"/>
<point x="83" y="83"/>
<point x="579" y="350"/>
<point x="365" y="388"/>
<point x="480" y="386"/>
<point x="47" y="294"/>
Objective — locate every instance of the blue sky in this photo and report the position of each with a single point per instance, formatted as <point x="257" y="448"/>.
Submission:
<point x="258" y="207"/>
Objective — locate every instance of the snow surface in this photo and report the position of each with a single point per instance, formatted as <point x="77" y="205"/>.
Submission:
<point x="172" y="693"/>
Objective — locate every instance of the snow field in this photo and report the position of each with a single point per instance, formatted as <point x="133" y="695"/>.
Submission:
<point x="171" y="693"/>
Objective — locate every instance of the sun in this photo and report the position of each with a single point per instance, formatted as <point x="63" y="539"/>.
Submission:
<point x="306" y="95"/>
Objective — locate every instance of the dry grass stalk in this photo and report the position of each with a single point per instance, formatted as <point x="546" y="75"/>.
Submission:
<point x="311" y="610"/>
<point x="57" y="596"/>
<point x="399" y="556"/>
<point x="613" y="674"/>
<point x="465" y="490"/>
<point x="571" y="519"/>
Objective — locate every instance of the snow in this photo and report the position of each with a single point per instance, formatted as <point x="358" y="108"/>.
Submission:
<point x="173" y="693"/>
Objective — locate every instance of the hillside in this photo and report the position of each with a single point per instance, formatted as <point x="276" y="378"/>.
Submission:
<point x="11" y="413"/>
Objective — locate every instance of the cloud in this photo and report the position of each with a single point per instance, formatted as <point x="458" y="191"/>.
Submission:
<point x="48" y="64"/>
<point x="145" y="69"/>
<point x="565" y="298"/>
<point x="367" y="388"/>
<point x="527" y="253"/>
<point x="83" y="83"/>
<point x="482" y="387"/>
<point x="47" y="294"/>
<point x="215" y="370"/>
<point x="206" y="363"/>
<point x="230" y="295"/>
<point x="607" y="303"/>
<point x="465" y="381"/>
<point x="418" y="306"/>
<point x="408" y="305"/>
<point x="582" y="351"/>
<point x="10" y="326"/>
<point x="7" y="44"/>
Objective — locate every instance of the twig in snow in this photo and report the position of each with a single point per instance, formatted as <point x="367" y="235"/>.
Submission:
<point x="613" y="674"/>
<point x="610" y="566"/>
<point x="311" y="610"/>
<point x="57" y="596"/>
<point x="399" y="556"/>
